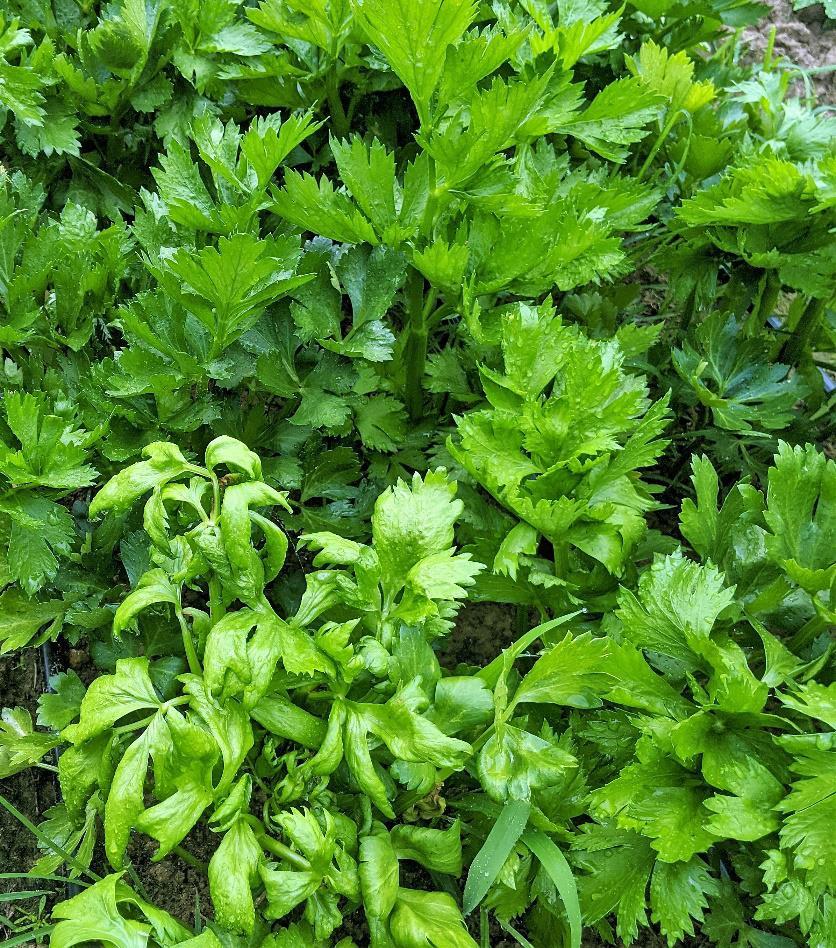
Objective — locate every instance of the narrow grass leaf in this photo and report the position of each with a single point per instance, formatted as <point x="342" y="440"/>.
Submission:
<point x="23" y="894"/>
<point x="491" y="672"/>
<point x="555" y="864"/>
<point x="49" y="843"/>
<point x="36" y="935"/>
<point x="491" y="857"/>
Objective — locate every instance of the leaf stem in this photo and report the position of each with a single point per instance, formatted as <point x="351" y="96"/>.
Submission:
<point x="143" y="722"/>
<point x="561" y="559"/>
<point x="415" y="348"/>
<point x="768" y="299"/>
<point x="216" y="496"/>
<point x="660" y="140"/>
<point x="215" y="600"/>
<point x="339" y="120"/>
<point x="191" y="860"/>
<point x="134" y="726"/>
<point x="283" y="852"/>
<point x="770" y="49"/>
<point x="432" y="196"/>
<point x="188" y="645"/>
<point x="807" y="633"/>
<point x="804" y="331"/>
<point x="484" y="928"/>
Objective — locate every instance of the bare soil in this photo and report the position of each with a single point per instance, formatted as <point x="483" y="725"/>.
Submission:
<point x="482" y="630"/>
<point x="806" y="39"/>
<point x="172" y="884"/>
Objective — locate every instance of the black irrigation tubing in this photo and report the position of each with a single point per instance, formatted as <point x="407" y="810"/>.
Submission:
<point x="73" y="888"/>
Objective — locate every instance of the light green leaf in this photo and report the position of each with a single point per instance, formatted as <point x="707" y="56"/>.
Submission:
<point x="520" y="540"/>
<point x="93" y="915"/>
<point x="182" y="189"/>
<point x="379" y="874"/>
<point x="572" y="673"/>
<point x="228" y="723"/>
<point x="461" y="703"/>
<point x="679" y="892"/>
<point x="663" y="801"/>
<point x="671" y="75"/>
<point x="236" y="520"/>
<point x="126" y="797"/>
<point x="677" y="606"/>
<point x="21" y="745"/>
<point x="637" y="685"/>
<point x="111" y="697"/>
<point x="428" y="920"/>
<point x="21" y="618"/>
<point x="152" y="589"/>
<point x="233" y="871"/>
<point x="763" y="190"/>
<point x="410" y="736"/>
<point x="281" y="717"/>
<point x="238" y="663"/>
<point x="234" y="454"/>
<point x="269" y="141"/>
<point x="618" y="864"/>
<point x="58" y="707"/>
<point x="435" y="849"/>
<point x="318" y="207"/>
<point x="414" y="36"/>
<point x="20" y="93"/>
<point x="228" y="287"/>
<point x="51" y="453"/>
<point x="165" y="462"/>
<point x="814" y="700"/>
<point x="514" y="763"/>
<point x="368" y="171"/>
<point x="615" y="119"/>
<point x="810" y="810"/>
<point x="801" y="514"/>
<point x="443" y="575"/>
<point x="325" y="24"/>
<point x="412" y="521"/>
<point x="285" y="889"/>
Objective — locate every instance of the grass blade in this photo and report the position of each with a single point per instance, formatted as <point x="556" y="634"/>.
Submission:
<point x="484" y="928"/>
<point x="40" y="877"/>
<point x="20" y="894"/>
<point x="47" y="842"/>
<point x="491" y="857"/>
<point x="555" y="864"/>
<point x="518" y="938"/>
<point x="35" y="935"/>
<point x="490" y="673"/>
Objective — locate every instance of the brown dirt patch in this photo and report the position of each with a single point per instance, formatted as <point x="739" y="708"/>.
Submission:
<point x="483" y="630"/>
<point x="806" y="39"/>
